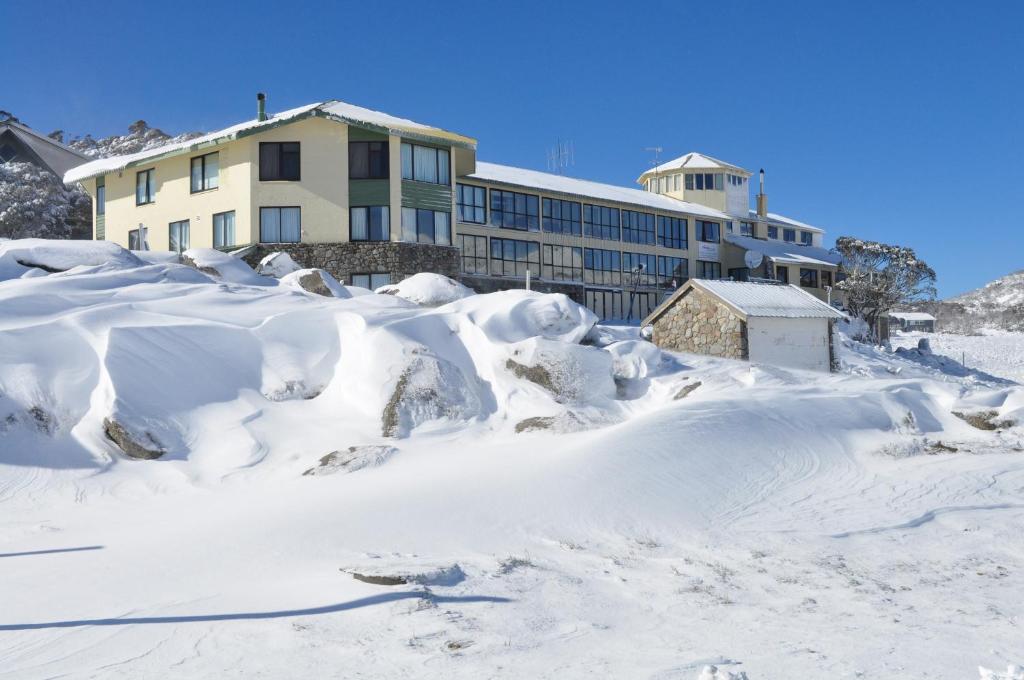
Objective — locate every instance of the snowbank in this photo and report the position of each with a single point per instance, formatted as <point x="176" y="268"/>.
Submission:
<point x="428" y="290"/>
<point x="16" y="257"/>
<point x="223" y="266"/>
<point x="515" y="315"/>
<point x="278" y="265"/>
<point x="316" y="281"/>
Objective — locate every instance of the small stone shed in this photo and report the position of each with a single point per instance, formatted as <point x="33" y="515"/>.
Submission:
<point x="763" y="322"/>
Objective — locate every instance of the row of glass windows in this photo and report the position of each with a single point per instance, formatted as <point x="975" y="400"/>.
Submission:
<point x="179" y="234"/>
<point x="808" y="277"/>
<point x="790" y="235"/>
<point x="694" y="180"/>
<point x="621" y="305"/>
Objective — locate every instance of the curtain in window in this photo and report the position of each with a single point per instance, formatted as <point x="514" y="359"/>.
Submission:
<point x="424" y="164"/>
<point x="270" y="160"/>
<point x="197" y="174"/>
<point x="178" y="232"/>
<point x="360" y="224"/>
<point x="443" y="172"/>
<point x="380" y="223"/>
<point x="409" y="224"/>
<point x="224" y="229"/>
<point x="358" y="160"/>
<point x="407" y="161"/>
<point x="425" y="226"/>
<point x="290" y="225"/>
<point x="270" y="225"/>
<point x="212" y="179"/>
<point x="134" y="240"/>
<point x="442" y="228"/>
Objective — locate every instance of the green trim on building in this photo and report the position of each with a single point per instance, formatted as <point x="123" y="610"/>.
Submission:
<point x="363" y="192"/>
<point x="101" y="220"/>
<point x="426" y="195"/>
<point x="358" y="134"/>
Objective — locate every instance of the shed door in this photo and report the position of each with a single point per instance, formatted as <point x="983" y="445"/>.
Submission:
<point x="795" y="343"/>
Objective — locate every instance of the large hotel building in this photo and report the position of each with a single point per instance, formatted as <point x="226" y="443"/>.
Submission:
<point x="373" y="198"/>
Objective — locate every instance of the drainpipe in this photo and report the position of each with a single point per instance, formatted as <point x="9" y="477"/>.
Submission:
<point x="261" y="106"/>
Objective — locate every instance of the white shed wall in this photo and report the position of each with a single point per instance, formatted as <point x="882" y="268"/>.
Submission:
<point x="795" y="343"/>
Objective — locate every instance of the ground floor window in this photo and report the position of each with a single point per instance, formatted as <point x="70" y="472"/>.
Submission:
<point x="426" y="226"/>
<point x="224" y="229"/>
<point x="563" y="263"/>
<point x="739" y="274"/>
<point x="474" y="253"/>
<point x="708" y="270"/>
<point x="373" y="281"/>
<point x="808" y="278"/>
<point x="135" y="239"/>
<point x="178" y="236"/>
<point x="510" y="257"/>
<point x="826" y="279"/>
<point x="280" y="225"/>
<point x="640" y="305"/>
<point x="607" y="304"/>
<point x="782" y="273"/>
<point x="370" y="223"/>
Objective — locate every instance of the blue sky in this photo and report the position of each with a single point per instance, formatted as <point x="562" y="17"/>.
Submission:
<point x="895" y="121"/>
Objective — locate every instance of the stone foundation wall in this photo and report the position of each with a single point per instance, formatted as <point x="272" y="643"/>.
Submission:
<point x="699" y="324"/>
<point x="492" y="284"/>
<point x="343" y="259"/>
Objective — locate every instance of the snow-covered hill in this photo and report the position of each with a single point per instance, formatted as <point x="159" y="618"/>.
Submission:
<point x="1003" y="294"/>
<point x="140" y="137"/>
<point x="367" y="487"/>
<point x="996" y="305"/>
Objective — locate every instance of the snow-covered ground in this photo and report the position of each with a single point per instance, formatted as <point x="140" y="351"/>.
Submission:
<point x="541" y="507"/>
<point x="997" y="352"/>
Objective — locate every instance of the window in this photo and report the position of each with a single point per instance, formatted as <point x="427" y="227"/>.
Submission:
<point x="371" y="281"/>
<point x="689" y="180"/>
<point x="739" y="274"/>
<point x="736" y="180"/>
<point x="773" y="232"/>
<point x="601" y="222"/>
<point x="510" y="257"/>
<point x="471" y="203"/>
<point x="672" y="272"/>
<point x="562" y="263"/>
<point x="178" y="232"/>
<point x="607" y="304"/>
<point x="648" y="273"/>
<point x="145" y="187"/>
<point x="224" y="229"/>
<point x="205" y="172"/>
<point x="135" y="239"/>
<point x="279" y="161"/>
<point x="7" y="153"/>
<point x="425" y="164"/>
<point x="367" y="160"/>
<point x="372" y="223"/>
<point x="562" y="217"/>
<point x="719" y="181"/>
<point x="638" y="227"/>
<point x="640" y="304"/>
<point x="602" y="267"/>
<point x="706" y="181"/>
<point x="789" y="235"/>
<point x="808" y="278"/>
<point x="782" y="273"/>
<point x="663" y="185"/>
<point x="708" y="270"/>
<point x="101" y="196"/>
<point x="426" y="226"/>
<point x="746" y="229"/>
<point x="511" y="210"/>
<point x="474" y="253"/>
<point x="280" y="225"/>
<point x="806" y="238"/>
<point x="728" y="227"/>
<point x="675" y="182"/>
<point x="826" y="278"/>
<point x="708" y="231"/>
<point x="672" y="232"/>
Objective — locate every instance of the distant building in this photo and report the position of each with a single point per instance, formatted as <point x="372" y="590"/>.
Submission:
<point x="20" y="143"/>
<point x="373" y="198"/>
<point x="768" y="323"/>
<point x="912" y="321"/>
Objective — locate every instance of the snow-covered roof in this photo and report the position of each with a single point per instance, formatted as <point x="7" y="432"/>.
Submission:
<point x="755" y="300"/>
<point x="775" y="218"/>
<point x="695" y="161"/>
<point x="787" y="253"/>
<point x="912" y="316"/>
<point x="581" y="188"/>
<point x="333" y="110"/>
<point x="57" y="157"/>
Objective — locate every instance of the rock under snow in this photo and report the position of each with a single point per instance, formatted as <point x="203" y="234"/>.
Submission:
<point x="277" y="264"/>
<point x="515" y="315"/>
<point x="352" y="459"/>
<point x="429" y="388"/>
<point x="143" y="446"/>
<point x="572" y="373"/>
<point x="427" y="290"/>
<point x="315" y="281"/>
<point x="59" y="256"/>
<point x="222" y="266"/>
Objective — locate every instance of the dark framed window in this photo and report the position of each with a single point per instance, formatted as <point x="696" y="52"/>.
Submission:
<point x="224" y="229"/>
<point x="806" y="238"/>
<point x="426" y="226"/>
<point x="739" y="274"/>
<point x="638" y="227"/>
<point x="145" y="187"/>
<point x="746" y="229"/>
<point x="789" y="235"/>
<point x="640" y="304"/>
<point x="709" y="232"/>
<point x="607" y="304"/>
<point x="773" y="232"/>
<point x="707" y="181"/>
<point x="371" y="280"/>
<point x="782" y="273"/>
<point x="808" y="278"/>
<point x="708" y="270"/>
<point x="601" y="222"/>
<point x="648" y="274"/>
<point x="602" y="267"/>
<point x="672" y="272"/>
<point x="474" y="253"/>
<point x="280" y="224"/>
<point x="826" y="278"/>
<point x="512" y="210"/>
<point x="672" y="232"/>
<point x="689" y="180"/>
<point x="370" y="223"/>
<point x="368" y="160"/>
<point x="562" y="217"/>
<point x="562" y="263"/>
<point x="280" y="162"/>
<point x="510" y="257"/>
<point x="135" y="239"/>
<point x="471" y="203"/>
<point x="178" y="236"/>
<point x="205" y="172"/>
<point x="101" y="196"/>
<point x="426" y="164"/>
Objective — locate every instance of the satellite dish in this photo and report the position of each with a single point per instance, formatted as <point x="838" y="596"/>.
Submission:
<point x="753" y="259"/>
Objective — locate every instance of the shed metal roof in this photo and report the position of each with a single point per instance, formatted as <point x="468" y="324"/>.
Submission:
<point x="749" y="299"/>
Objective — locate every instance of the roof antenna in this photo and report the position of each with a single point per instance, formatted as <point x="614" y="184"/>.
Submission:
<point x="561" y="156"/>
<point x="655" y="163"/>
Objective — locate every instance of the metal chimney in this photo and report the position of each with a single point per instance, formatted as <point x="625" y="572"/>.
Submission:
<point x="762" y="199"/>
<point x="261" y="107"/>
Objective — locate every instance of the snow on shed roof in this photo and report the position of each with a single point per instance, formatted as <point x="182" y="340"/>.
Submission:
<point x="789" y="253"/>
<point x="581" y="188"/>
<point x="695" y="161"/>
<point x="333" y="110"/>
<point x="755" y="300"/>
<point x="912" y="316"/>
